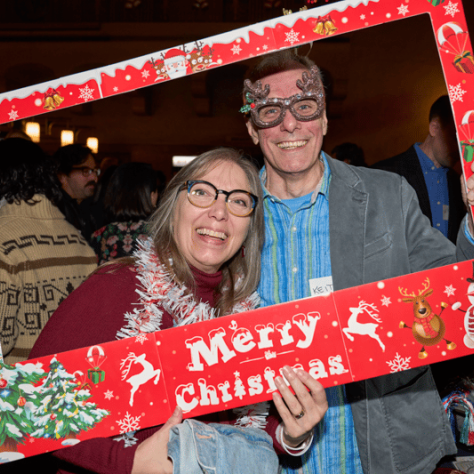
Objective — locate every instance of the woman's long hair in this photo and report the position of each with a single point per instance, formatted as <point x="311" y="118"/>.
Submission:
<point x="128" y="194"/>
<point x="244" y="265"/>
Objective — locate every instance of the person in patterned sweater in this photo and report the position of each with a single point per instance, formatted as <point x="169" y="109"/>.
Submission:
<point x="43" y="258"/>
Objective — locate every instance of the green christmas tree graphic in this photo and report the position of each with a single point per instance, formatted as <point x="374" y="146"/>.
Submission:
<point x="64" y="411"/>
<point x="19" y="398"/>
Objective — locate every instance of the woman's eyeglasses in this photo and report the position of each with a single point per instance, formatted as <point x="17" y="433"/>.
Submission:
<point x="203" y="194"/>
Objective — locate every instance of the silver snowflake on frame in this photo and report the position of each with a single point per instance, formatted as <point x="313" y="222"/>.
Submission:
<point x="449" y="290"/>
<point x="145" y="73"/>
<point x="292" y="37"/>
<point x="86" y="93"/>
<point x="13" y="115"/>
<point x="128" y="439"/>
<point x="402" y="10"/>
<point x="399" y="363"/>
<point x="451" y="9"/>
<point x="362" y="17"/>
<point x="141" y="338"/>
<point x="109" y="395"/>
<point x="236" y="49"/>
<point x="456" y="93"/>
<point x="386" y="301"/>
<point x="129" y="423"/>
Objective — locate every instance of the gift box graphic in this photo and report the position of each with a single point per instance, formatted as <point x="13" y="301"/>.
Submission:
<point x="467" y="151"/>
<point x="435" y="3"/>
<point x="96" y="375"/>
<point x="96" y="357"/>
<point x="464" y="62"/>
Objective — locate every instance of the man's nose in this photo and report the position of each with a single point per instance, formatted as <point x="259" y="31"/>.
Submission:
<point x="289" y="123"/>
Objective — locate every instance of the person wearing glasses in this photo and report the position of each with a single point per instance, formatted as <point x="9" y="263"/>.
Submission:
<point x="78" y="174"/>
<point x="202" y="261"/>
<point x="43" y="258"/>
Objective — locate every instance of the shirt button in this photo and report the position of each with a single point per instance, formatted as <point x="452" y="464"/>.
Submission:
<point x="293" y="228"/>
<point x="439" y="203"/>
<point x="437" y="225"/>
<point x="294" y="269"/>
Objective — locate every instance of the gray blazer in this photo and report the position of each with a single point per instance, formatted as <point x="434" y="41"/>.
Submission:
<point x="377" y="231"/>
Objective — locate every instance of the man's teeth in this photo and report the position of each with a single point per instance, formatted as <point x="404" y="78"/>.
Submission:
<point x="211" y="233"/>
<point x="292" y="145"/>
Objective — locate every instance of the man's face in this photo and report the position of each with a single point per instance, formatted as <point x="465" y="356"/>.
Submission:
<point x="291" y="147"/>
<point x="77" y="185"/>
<point x="445" y="145"/>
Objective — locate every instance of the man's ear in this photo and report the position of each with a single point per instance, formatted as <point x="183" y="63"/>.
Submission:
<point x="252" y="132"/>
<point x="324" y="123"/>
<point x="62" y="178"/>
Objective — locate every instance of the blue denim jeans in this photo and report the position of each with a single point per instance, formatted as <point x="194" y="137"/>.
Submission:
<point x="197" y="448"/>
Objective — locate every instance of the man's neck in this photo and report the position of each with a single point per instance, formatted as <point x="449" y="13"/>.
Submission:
<point x="427" y="149"/>
<point x="293" y="185"/>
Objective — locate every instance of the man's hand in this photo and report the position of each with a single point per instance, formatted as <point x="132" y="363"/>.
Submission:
<point x="151" y="457"/>
<point x="304" y="410"/>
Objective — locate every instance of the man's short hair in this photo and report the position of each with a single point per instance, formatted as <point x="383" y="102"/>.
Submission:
<point x="441" y="109"/>
<point x="71" y="155"/>
<point x="286" y="60"/>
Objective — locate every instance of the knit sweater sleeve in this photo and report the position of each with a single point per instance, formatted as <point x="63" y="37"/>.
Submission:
<point x="91" y="315"/>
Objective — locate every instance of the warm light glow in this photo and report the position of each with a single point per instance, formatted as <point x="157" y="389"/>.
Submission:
<point x="93" y="144"/>
<point x="67" y="137"/>
<point x="33" y="131"/>
<point x="180" y="161"/>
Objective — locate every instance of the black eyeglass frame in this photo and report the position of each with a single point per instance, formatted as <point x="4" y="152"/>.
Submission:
<point x="190" y="183"/>
<point x="96" y="171"/>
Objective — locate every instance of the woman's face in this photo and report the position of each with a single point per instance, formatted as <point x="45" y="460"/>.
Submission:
<point x="209" y="237"/>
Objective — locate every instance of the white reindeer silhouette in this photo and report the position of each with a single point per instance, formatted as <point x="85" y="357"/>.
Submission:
<point x="143" y="377"/>
<point x="367" y="329"/>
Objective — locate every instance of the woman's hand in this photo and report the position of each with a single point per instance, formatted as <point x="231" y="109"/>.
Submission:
<point x="151" y="457"/>
<point x="301" y="412"/>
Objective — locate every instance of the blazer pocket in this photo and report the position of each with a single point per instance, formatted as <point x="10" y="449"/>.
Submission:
<point x="379" y="245"/>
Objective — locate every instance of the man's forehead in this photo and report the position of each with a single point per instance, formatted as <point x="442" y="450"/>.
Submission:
<point x="283" y="84"/>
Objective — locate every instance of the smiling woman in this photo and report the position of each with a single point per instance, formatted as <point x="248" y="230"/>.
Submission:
<point x="192" y="268"/>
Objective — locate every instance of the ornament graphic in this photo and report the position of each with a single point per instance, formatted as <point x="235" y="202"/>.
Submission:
<point x="467" y="129"/>
<point x="325" y="26"/>
<point x="52" y="99"/>
<point x="428" y="328"/>
<point x="452" y="39"/>
<point x="95" y="358"/>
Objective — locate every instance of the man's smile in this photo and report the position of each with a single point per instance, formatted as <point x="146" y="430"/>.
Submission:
<point x="292" y="145"/>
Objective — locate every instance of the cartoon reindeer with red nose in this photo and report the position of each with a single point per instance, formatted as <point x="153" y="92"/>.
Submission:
<point x="428" y="328"/>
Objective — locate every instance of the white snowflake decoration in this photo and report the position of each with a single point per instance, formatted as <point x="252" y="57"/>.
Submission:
<point x="129" y="423"/>
<point x="264" y="47"/>
<point x="236" y="373"/>
<point x="109" y="394"/>
<point x="115" y="89"/>
<point x="236" y="49"/>
<point x="362" y="17"/>
<point x="86" y="93"/>
<point x="292" y="37"/>
<point x="13" y="115"/>
<point x="386" y="301"/>
<point x="399" y="364"/>
<point x="402" y="10"/>
<point x="449" y="290"/>
<point x="145" y="74"/>
<point x="456" y="93"/>
<point x="141" y="338"/>
<point x="128" y="439"/>
<point x="451" y="9"/>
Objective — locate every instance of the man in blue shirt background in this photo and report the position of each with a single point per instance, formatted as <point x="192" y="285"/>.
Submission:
<point x="428" y="167"/>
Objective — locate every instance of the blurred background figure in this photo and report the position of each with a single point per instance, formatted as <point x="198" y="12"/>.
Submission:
<point x="428" y="167"/>
<point x="130" y="198"/>
<point x="349" y="153"/>
<point x="43" y="258"/>
<point x="78" y="174"/>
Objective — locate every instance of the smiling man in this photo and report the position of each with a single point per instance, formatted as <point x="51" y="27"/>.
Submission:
<point x="332" y="225"/>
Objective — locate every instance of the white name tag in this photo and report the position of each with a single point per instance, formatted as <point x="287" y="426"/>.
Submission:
<point x="445" y="212"/>
<point x="321" y="286"/>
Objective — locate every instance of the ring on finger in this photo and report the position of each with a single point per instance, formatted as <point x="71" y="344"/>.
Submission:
<point x="299" y="415"/>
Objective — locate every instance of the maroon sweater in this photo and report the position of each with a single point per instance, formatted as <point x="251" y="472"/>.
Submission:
<point x="92" y="315"/>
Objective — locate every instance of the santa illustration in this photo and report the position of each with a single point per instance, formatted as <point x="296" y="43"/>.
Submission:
<point x="176" y="63"/>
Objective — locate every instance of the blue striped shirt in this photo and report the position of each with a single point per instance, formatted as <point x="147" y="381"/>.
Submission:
<point x="296" y="250"/>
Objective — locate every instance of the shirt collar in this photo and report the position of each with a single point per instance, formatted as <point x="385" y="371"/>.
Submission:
<point x="321" y="188"/>
<point x="426" y="163"/>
